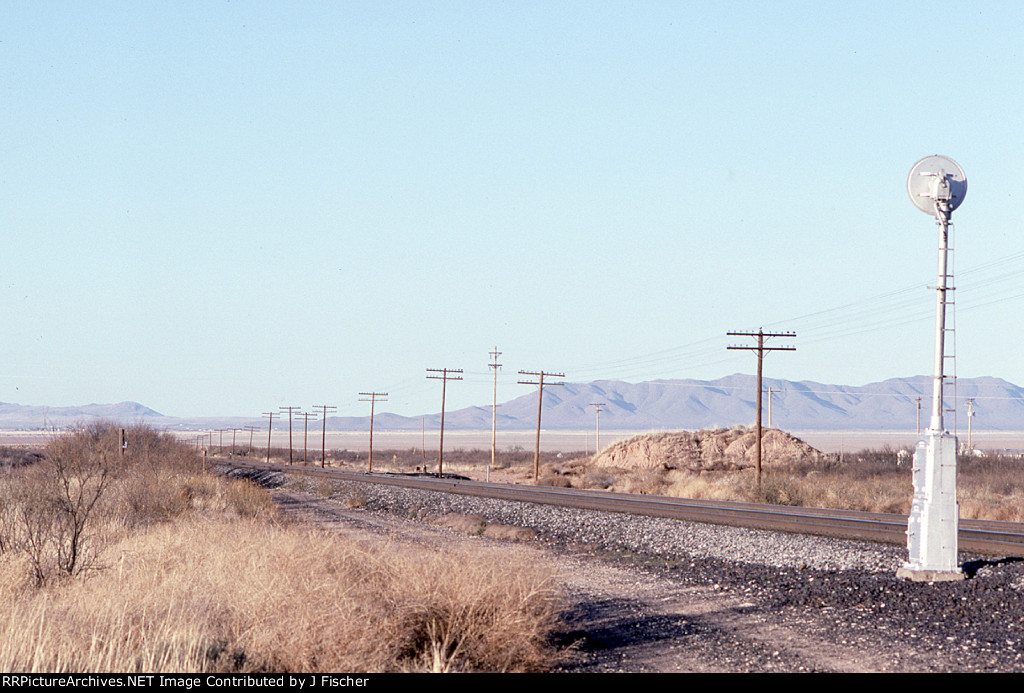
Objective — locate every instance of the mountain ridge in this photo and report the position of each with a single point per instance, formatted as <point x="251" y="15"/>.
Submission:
<point x="893" y="404"/>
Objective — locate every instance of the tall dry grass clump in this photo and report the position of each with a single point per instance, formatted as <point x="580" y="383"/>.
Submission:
<point x="248" y="595"/>
<point x="991" y="487"/>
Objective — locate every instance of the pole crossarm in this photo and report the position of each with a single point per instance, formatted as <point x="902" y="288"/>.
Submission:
<point x="760" y="335"/>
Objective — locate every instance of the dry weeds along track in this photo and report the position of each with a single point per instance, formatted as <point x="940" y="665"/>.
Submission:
<point x="639" y="602"/>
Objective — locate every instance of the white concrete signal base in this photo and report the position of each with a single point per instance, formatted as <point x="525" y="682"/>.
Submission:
<point x="935" y="515"/>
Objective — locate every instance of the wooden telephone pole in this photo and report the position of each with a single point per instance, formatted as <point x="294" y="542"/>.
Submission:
<point x="540" y="375"/>
<point x="597" y="443"/>
<point x="760" y="348"/>
<point x="306" y="416"/>
<point x="270" y="425"/>
<point x="252" y="430"/>
<point x="446" y="375"/>
<point x="324" y="409"/>
<point x="371" y="397"/>
<point x="290" y="410"/>
<point x="494" y="403"/>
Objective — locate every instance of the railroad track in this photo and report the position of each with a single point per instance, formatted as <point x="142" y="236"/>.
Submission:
<point x="978" y="536"/>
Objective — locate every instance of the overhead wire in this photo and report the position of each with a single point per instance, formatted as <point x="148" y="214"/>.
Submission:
<point x="993" y="282"/>
<point x="979" y="286"/>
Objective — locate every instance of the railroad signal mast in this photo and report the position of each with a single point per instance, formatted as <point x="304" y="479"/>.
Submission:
<point x="937" y="186"/>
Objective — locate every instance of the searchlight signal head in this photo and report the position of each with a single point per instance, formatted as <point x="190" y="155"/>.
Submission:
<point x="937" y="185"/>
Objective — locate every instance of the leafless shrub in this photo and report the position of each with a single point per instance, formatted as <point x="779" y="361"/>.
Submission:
<point x="468" y="524"/>
<point x="355" y="498"/>
<point x="600" y="479"/>
<point x="510" y="533"/>
<point x="13" y="457"/>
<point x="555" y="480"/>
<point x="57" y="499"/>
<point x="56" y="509"/>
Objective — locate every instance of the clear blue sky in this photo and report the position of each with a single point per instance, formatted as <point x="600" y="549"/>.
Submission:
<point x="221" y="208"/>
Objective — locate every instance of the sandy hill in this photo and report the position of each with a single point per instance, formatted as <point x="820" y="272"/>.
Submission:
<point x="707" y="450"/>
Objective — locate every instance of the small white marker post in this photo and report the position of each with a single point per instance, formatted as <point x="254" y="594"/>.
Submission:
<point x="937" y="186"/>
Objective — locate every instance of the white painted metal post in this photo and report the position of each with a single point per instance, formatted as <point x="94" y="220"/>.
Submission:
<point x="937" y="186"/>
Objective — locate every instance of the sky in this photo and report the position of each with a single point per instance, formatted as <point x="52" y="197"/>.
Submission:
<point x="224" y="208"/>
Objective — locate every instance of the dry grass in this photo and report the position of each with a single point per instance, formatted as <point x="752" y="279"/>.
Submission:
<point x="191" y="573"/>
<point x="988" y="487"/>
<point x="469" y="462"/>
<point x="204" y="594"/>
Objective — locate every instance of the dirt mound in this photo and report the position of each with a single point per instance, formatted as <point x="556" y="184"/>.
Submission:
<point x="707" y="450"/>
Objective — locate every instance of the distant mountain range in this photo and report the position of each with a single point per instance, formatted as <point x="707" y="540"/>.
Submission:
<point x="891" y="405"/>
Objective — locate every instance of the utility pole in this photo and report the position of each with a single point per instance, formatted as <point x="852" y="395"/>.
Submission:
<point x="970" y="420"/>
<point x="597" y="406"/>
<point x="494" y="403"/>
<point x="761" y="349"/>
<point x="289" y="410"/>
<point x="270" y="425"/>
<point x="919" y="416"/>
<point x="252" y="430"/>
<point x="306" y="416"/>
<point x="372" y="400"/>
<point x="234" y="434"/>
<point x="540" y="375"/>
<point x="324" y="409"/>
<point x="446" y="375"/>
<point x="769" y="390"/>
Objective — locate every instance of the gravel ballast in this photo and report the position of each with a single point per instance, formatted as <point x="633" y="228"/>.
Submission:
<point x="845" y="592"/>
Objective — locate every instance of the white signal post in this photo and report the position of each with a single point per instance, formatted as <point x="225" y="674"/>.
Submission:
<point x="936" y="186"/>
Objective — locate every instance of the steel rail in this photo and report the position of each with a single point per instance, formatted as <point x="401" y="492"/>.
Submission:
<point x="988" y="537"/>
